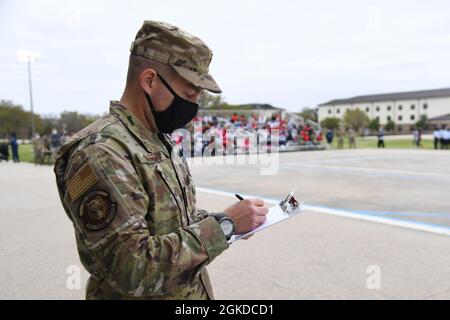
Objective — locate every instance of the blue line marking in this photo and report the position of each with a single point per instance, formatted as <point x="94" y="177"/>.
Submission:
<point x="387" y="213"/>
<point x="374" y="214"/>
<point x="377" y="214"/>
<point x="405" y="214"/>
<point x="359" y="173"/>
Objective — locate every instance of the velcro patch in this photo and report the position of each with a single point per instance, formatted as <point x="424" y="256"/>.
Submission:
<point x="97" y="210"/>
<point x="153" y="156"/>
<point x="81" y="182"/>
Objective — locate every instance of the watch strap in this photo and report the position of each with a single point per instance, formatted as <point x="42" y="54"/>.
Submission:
<point x="219" y="216"/>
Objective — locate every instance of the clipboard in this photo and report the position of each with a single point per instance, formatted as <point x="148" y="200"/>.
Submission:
<point x="286" y="209"/>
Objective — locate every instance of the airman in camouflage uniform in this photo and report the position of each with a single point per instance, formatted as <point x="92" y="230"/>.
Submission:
<point x="130" y="194"/>
<point x="38" y="149"/>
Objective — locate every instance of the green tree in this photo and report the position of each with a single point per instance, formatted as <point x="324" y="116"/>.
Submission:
<point x="14" y="119"/>
<point x="422" y="123"/>
<point x="356" y="119"/>
<point x="309" y="114"/>
<point x="374" y="125"/>
<point x="46" y="125"/>
<point x="211" y="101"/>
<point x="72" y="121"/>
<point x="330" y="123"/>
<point x="390" y="126"/>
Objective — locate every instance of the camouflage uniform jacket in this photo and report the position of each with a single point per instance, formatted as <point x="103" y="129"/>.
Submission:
<point x="132" y="204"/>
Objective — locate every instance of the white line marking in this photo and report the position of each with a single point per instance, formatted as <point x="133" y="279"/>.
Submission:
<point x="403" y="172"/>
<point x="347" y="214"/>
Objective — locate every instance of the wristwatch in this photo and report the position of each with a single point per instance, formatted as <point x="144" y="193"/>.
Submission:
<point x="226" y="224"/>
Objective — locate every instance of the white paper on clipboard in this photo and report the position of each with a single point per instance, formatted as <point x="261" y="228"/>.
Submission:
<point x="282" y="211"/>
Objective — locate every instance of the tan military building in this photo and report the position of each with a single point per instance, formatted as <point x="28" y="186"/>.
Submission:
<point x="403" y="108"/>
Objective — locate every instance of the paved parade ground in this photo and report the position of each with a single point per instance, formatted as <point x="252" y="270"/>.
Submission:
<point x="368" y="213"/>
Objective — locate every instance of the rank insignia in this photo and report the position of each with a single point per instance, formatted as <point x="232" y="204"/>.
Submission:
<point x="153" y="156"/>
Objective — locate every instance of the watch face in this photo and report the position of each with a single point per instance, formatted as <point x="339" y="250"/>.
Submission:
<point x="227" y="226"/>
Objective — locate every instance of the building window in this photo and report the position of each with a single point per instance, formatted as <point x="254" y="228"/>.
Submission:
<point x="338" y="111"/>
<point x="400" y="107"/>
<point x="425" y="106"/>
<point x="400" y="118"/>
<point x="367" y="109"/>
<point x="329" y="111"/>
<point x="389" y="108"/>
<point x="378" y="108"/>
<point x="413" y="106"/>
<point x="413" y="117"/>
<point x="389" y="118"/>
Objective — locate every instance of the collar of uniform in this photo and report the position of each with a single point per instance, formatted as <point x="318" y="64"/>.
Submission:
<point x="147" y="137"/>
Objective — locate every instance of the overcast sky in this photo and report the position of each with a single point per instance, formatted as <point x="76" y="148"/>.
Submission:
<point x="290" y="54"/>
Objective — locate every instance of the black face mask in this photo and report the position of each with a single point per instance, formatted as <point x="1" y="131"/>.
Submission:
<point x="177" y="115"/>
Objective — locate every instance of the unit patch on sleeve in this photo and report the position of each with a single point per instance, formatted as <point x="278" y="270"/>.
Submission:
<point x="97" y="210"/>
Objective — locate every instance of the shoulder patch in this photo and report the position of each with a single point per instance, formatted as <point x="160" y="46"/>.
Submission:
<point x="84" y="179"/>
<point x="97" y="210"/>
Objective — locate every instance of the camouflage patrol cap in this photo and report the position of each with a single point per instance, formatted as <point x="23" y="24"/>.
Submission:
<point x="187" y="54"/>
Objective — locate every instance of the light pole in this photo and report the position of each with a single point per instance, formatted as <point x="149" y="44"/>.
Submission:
<point x="30" y="57"/>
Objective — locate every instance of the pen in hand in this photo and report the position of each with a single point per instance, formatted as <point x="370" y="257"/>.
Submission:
<point x="240" y="198"/>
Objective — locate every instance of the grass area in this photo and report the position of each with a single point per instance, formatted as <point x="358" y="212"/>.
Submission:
<point x="25" y="153"/>
<point x="371" y="143"/>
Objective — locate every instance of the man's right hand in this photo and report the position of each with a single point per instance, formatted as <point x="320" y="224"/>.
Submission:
<point x="247" y="214"/>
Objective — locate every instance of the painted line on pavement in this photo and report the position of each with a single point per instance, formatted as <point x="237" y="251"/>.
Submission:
<point x="415" y="225"/>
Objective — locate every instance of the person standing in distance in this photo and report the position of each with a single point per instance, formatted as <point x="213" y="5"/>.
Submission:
<point x="380" y="137"/>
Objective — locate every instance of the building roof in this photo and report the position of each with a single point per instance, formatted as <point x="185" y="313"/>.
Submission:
<point x="411" y="95"/>
<point x="241" y="107"/>
<point x="445" y="117"/>
<point x="258" y="106"/>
